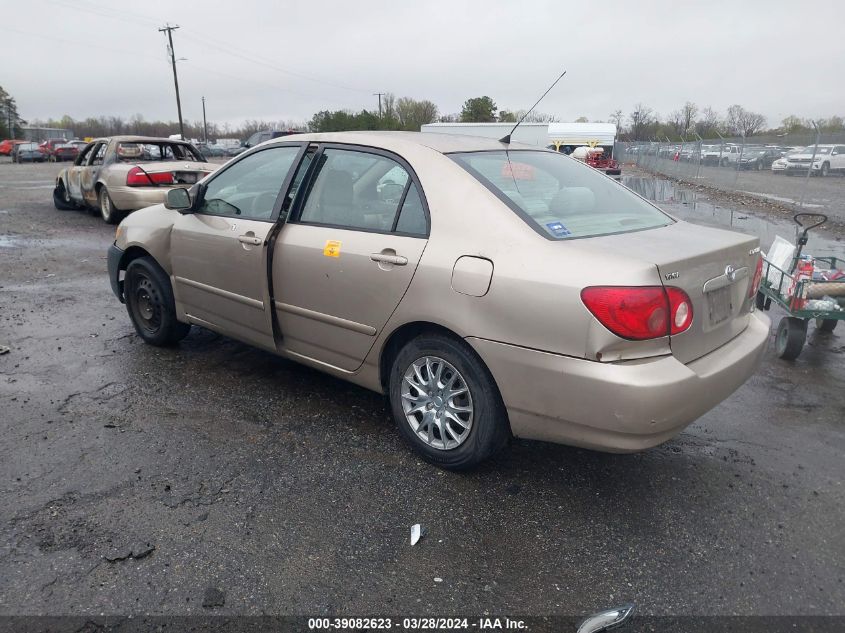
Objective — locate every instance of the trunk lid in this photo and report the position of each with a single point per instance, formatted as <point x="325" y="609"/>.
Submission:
<point x="184" y="172"/>
<point x="714" y="267"/>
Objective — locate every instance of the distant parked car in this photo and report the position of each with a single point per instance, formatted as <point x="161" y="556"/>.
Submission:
<point x="7" y="146"/>
<point x="123" y="173"/>
<point x="260" y="137"/>
<point x="28" y="153"/>
<point x="67" y="151"/>
<point x="212" y="151"/>
<point x="759" y="158"/>
<point x="779" y="165"/>
<point x="828" y="158"/>
<point x="49" y="146"/>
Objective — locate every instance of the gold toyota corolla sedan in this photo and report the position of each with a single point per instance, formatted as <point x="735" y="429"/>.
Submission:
<point x="489" y="290"/>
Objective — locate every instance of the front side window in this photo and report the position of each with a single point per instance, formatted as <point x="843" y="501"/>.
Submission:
<point x="559" y="197"/>
<point x="249" y="188"/>
<point x="99" y="154"/>
<point x="356" y="190"/>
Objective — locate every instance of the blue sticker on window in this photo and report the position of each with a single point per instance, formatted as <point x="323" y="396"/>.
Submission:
<point x="557" y="229"/>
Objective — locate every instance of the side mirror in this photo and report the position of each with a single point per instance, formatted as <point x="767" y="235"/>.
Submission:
<point x="178" y="199"/>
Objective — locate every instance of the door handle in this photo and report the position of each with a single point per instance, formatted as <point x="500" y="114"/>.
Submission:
<point x="249" y="239"/>
<point x="382" y="258"/>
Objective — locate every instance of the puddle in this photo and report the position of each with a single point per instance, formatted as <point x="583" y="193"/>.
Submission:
<point x="685" y="204"/>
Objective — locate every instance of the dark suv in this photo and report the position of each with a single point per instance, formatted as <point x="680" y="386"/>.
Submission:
<point x="264" y="135"/>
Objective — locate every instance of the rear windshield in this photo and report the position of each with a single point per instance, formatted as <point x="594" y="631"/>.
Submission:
<point x="560" y="197"/>
<point x="137" y="152"/>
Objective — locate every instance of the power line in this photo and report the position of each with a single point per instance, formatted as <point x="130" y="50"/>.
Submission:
<point x="133" y="18"/>
<point x="169" y="30"/>
<point x="225" y="48"/>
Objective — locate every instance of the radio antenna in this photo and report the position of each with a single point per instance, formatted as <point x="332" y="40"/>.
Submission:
<point x="507" y="138"/>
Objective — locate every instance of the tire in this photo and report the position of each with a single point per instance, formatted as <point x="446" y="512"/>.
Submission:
<point x="759" y="166"/>
<point x="826" y="325"/>
<point x="150" y="304"/>
<point x="825" y="170"/>
<point x="108" y="213"/>
<point x="790" y="338"/>
<point x="61" y="198"/>
<point x="475" y="426"/>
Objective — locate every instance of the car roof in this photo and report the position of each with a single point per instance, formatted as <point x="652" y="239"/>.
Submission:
<point x="396" y="141"/>
<point x="139" y="139"/>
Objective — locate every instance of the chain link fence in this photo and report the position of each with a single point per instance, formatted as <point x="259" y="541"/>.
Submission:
<point x="800" y="171"/>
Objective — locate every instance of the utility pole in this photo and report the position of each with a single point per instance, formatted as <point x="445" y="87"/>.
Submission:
<point x="379" y="95"/>
<point x="169" y="29"/>
<point x="204" y="124"/>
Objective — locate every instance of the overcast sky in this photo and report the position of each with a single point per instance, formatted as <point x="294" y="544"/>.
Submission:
<point x="286" y="60"/>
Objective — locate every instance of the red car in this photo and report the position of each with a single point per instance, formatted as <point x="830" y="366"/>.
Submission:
<point x="7" y="145"/>
<point x="67" y="151"/>
<point x="49" y="146"/>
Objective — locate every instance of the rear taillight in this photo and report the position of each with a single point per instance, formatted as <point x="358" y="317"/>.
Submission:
<point x="758" y="277"/>
<point x="639" y="312"/>
<point x="680" y="309"/>
<point x="137" y="177"/>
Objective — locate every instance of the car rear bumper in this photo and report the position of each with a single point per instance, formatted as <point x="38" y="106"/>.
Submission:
<point x="617" y="407"/>
<point x="132" y="198"/>
<point x="113" y="257"/>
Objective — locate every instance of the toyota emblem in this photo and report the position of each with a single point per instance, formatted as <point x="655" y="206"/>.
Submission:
<point x="730" y="272"/>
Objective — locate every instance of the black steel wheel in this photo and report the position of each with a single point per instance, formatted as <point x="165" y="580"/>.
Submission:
<point x="826" y="325"/>
<point x="61" y="198"/>
<point x="790" y="338"/>
<point x="150" y="304"/>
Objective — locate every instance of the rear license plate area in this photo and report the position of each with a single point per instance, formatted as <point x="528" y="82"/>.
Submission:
<point x="719" y="305"/>
<point x="184" y="178"/>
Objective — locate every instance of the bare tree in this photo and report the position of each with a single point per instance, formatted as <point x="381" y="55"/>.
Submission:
<point x="744" y="122"/>
<point x="412" y="114"/>
<point x="536" y="117"/>
<point x="388" y="106"/>
<point x="689" y="112"/>
<point x="675" y="120"/>
<point x="617" y="118"/>
<point x="708" y="123"/>
<point x="641" y="118"/>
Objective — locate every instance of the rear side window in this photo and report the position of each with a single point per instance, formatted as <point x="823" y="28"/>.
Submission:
<point x="559" y="197"/>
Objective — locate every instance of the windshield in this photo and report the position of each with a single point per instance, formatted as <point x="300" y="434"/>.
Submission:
<point x="560" y="197"/>
<point x="820" y="150"/>
<point x="140" y="152"/>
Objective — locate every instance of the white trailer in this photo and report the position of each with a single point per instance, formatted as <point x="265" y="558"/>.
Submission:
<point x="572" y="135"/>
<point x="530" y="133"/>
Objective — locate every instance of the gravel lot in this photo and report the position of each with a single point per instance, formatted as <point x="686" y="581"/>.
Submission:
<point x="144" y="480"/>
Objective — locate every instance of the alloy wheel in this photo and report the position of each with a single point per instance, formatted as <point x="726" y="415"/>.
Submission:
<point x="105" y="205"/>
<point x="437" y="403"/>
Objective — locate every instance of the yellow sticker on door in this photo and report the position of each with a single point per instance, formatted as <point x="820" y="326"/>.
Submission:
<point x="332" y="248"/>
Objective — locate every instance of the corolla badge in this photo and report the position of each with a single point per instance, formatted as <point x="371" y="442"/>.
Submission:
<point x="730" y="272"/>
<point x="673" y="275"/>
